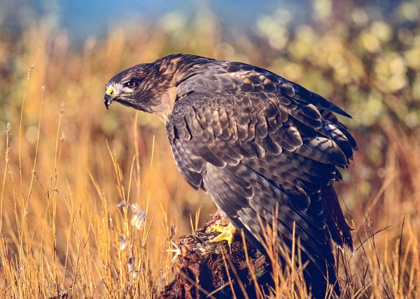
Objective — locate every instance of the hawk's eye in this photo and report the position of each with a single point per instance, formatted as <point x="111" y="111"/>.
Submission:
<point x="131" y="84"/>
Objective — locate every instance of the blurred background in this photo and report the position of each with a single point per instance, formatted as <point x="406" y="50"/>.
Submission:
<point x="69" y="161"/>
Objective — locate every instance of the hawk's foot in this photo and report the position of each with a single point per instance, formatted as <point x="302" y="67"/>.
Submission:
<point x="226" y="232"/>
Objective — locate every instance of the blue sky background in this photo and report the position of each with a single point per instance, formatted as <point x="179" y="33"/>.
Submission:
<point x="98" y="14"/>
<point x="83" y="18"/>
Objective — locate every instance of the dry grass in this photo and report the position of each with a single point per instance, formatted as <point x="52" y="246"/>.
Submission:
<point x="69" y="162"/>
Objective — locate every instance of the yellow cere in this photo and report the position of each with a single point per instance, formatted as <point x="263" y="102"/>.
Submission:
<point x="110" y="91"/>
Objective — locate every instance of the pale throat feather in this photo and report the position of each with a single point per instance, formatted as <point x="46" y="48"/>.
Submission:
<point x="167" y="101"/>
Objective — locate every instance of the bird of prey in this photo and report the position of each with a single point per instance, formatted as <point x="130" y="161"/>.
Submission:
<point x="266" y="149"/>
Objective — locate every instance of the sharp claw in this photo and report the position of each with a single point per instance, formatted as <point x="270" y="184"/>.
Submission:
<point x="227" y="233"/>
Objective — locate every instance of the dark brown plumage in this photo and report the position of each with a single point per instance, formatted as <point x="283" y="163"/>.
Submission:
<point x="254" y="141"/>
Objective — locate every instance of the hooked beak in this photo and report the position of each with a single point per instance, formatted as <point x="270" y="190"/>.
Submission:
<point x="109" y="97"/>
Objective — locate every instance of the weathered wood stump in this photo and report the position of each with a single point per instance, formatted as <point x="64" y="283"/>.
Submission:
<point x="217" y="270"/>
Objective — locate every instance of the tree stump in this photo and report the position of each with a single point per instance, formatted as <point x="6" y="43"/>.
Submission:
<point x="217" y="270"/>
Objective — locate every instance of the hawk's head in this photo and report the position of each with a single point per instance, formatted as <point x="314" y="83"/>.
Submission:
<point x="151" y="87"/>
<point x="135" y="87"/>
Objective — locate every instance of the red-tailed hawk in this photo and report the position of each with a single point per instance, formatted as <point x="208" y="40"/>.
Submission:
<point x="256" y="143"/>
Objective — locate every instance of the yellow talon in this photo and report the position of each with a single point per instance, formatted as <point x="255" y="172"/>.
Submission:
<point x="227" y="232"/>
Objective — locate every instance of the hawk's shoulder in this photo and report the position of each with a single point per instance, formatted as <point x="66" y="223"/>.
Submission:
<point x="221" y="77"/>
